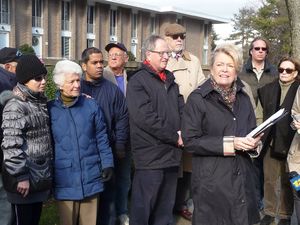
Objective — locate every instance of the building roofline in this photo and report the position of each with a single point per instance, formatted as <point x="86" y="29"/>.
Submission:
<point x="167" y="9"/>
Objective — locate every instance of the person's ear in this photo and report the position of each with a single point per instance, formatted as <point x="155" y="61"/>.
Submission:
<point x="83" y="66"/>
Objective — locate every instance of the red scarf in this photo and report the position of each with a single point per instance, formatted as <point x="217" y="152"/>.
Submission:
<point x="162" y="75"/>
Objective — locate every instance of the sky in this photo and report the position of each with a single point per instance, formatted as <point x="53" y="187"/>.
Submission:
<point x="220" y="8"/>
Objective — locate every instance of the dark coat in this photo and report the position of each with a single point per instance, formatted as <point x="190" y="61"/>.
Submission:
<point x="248" y="75"/>
<point x="154" y="111"/>
<point x="269" y="96"/>
<point x="113" y="104"/>
<point x="81" y="148"/>
<point x="222" y="186"/>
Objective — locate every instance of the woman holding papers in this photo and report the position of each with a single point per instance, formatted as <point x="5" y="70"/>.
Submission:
<point x="217" y="118"/>
<point x="278" y="195"/>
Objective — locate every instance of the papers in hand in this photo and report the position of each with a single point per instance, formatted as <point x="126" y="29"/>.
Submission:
<point x="268" y="123"/>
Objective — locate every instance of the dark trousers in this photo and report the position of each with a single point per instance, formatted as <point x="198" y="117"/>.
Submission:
<point x="297" y="206"/>
<point x="259" y="180"/>
<point x="183" y="192"/>
<point x="28" y="214"/>
<point x="153" y="196"/>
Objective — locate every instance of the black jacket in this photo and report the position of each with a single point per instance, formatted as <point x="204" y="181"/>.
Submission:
<point x="223" y="186"/>
<point x="269" y="96"/>
<point x="154" y="114"/>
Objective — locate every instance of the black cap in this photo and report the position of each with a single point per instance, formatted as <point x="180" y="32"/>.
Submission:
<point x="29" y="67"/>
<point x="117" y="45"/>
<point x="8" y="55"/>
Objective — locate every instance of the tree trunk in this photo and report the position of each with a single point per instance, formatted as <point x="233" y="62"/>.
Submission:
<point x="293" y="7"/>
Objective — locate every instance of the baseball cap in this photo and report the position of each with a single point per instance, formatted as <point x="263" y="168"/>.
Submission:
<point x="9" y="55"/>
<point x="117" y="45"/>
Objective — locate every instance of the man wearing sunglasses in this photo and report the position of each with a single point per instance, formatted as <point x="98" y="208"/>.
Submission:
<point x="8" y="62"/>
<point x="188" y="75"/>
<point x="257" y="72"/>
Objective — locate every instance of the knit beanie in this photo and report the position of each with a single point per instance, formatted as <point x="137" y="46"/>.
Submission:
<point x="29" y="67"/>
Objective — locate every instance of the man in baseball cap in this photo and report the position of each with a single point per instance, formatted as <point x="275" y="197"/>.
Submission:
<point x="8" y="62"/>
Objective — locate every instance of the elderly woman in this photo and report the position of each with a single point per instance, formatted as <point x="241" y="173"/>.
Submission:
<point x="82" y="156"/>
<point x="26" y="144"/>
<point x="278" y="197"/>
<point x="217" y="118"/>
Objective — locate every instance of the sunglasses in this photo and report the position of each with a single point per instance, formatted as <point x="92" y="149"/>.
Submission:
<point x="40" y="78"/>
<point x="287" y="70"/>
<point x="259" y="48"/>
<point x="176" y="36"/>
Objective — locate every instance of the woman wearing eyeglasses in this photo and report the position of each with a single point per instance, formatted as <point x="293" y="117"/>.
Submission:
<point x="26" y="144"/>
<point x="278" y="195"/>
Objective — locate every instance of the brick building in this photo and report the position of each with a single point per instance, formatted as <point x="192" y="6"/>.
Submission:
<point x="63" y="28"/>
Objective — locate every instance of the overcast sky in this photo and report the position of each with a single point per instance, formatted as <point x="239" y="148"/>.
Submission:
<point x="220" y="8"/>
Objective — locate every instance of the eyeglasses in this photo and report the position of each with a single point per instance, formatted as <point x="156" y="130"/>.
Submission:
<point x="176" y="36"/>
<point x="287" y="70"/>
<point x="260" y="48"/>
<point x="40" y="78"/>
<point x="117" y="54"/>
<point x="162" y="53"/>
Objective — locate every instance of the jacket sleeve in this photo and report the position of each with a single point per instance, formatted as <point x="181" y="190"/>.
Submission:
<point x="193" y="133"/>
<point x="145" y="117"/>
<point x="102" y="139"/>
<point x="121" y="121"/>
<point x="13" y="143"/>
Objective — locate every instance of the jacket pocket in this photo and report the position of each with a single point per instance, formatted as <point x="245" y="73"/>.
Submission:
<point x="40" y="175"/>
<point x="63" y="173"/>
<point x="92" y="169"/>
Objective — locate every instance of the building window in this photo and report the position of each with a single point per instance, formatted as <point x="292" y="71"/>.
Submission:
<point x="113" y="23"/>
<point x="134" y="25"/>
<point x="90" y="19"/>
<point x="65" y="15"/>
<point x="153" y="25"/>
<point x="205" y="45"/>
<point x="36" y="13"/>
<point x="4" y="10"/>
<point x="65" y="47"/>
<point x="90" y="43"/>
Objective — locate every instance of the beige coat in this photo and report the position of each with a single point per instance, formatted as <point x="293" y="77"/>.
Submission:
<point x="188" y="75"/>
<point x="293" y="158"/>
<point x="109" y="75"/>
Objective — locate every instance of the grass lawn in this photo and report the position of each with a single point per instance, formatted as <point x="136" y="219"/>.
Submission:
<point x="49" y="214"/>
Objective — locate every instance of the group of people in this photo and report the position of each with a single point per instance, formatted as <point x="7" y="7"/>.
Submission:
<point x="187" y="135"/>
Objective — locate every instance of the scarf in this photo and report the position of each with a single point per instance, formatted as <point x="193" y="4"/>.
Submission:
<point x="162" y="75"/>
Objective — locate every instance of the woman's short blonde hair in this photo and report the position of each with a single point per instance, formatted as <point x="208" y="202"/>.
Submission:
<point x="231" y="50"/>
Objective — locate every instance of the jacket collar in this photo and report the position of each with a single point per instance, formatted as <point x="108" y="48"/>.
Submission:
<point x="97" y="82"/>
<point x="207" y="87"/>
<point x="249" y="67"/>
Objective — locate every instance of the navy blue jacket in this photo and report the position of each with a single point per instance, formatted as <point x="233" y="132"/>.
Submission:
<point x="113" y="104"/>
<point x="7" y="82"/>
<point x="81" y="148"/>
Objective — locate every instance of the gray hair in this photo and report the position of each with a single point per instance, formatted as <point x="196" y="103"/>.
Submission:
<point x="62" y="68"/>
<point x="150" y="43"/>
<point x="231" y="50"/>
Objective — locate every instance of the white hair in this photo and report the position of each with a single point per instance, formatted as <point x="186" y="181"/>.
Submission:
<point x="62" y="68"/>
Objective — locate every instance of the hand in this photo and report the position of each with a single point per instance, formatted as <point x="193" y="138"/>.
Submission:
<point x="179" y="141"/>
<point x="246" y="143"/>
<point x="296" y="124"/>
<point x="23" y="187"/>
<point x="107" y="174"/>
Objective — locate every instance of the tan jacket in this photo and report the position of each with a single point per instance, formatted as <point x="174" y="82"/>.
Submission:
<point x="293" y="158"/>
<point x="188" y="75"/>
<point x="109" y="75"/>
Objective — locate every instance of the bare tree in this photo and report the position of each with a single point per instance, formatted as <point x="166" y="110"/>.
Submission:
<point x="293" y="7"/>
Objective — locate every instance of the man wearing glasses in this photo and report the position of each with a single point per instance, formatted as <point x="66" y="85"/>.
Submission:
<point x="116" y="73"/>
<point x="257" y="72"/>
<point x="188" y="75"/>
<point x="154" y="106"/>
<point x="8" y="62"/>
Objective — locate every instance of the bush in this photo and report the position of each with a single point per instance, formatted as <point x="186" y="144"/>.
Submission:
<point x="26" y="49"/>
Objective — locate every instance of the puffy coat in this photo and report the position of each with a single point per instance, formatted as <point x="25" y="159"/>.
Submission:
<point x="81" y="148"/>
<point x="26" y="144"/>
<point x="154" y="111"/>
<point x="222" y="186"/>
